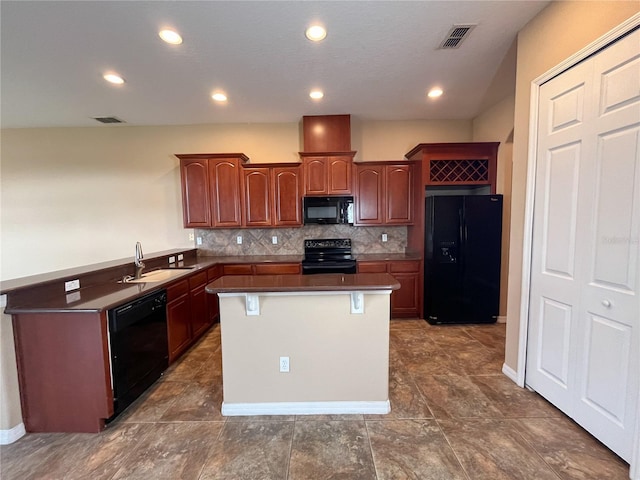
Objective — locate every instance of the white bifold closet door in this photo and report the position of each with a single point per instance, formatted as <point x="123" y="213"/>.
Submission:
<point x="584" y="313"/>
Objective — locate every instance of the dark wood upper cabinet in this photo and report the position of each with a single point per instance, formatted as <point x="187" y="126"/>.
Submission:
<point x="211" y="189"/>
<point x="330" y="174"/>
<point x="258" y="198"/>
<point x="327" y="156"/>
<point x="384" y="193"/>
<point x="196" y="205"/>
<point x="225" y="192"/>
<point x="287" y="193"/>
<point x="450" y="164"/>
<point x="369" y="194"/>
<point x="315" y="176"/>
<point x="399" y="194"/>
<point x="339" y="170"/>
<point x="219" y="190"/>
<point x="272" y="196"/>
<point x="326" y="133"/>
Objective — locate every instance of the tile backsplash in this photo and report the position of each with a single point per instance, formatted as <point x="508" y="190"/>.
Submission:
<point x="257" y="241"/>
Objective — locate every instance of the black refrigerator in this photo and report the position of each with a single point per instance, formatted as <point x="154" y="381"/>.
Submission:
<point x="462" y="258"/>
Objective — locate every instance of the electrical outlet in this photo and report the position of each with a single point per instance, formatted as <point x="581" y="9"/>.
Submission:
<point x="284" y="364"/>
<point x="180" y="257"/>
<point x="384" y="237"/>
<point x="191" y="236"/>
<point x="172" y="259"/>
<point x="239" y="239"/>
<point x="198" y="240"/>
<point x="274" y="239"/>
<point x="71" y="285"/>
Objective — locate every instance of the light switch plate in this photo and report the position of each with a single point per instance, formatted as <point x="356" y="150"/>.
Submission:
<point x="172" y="259"/>
<point x="180" y="257"/>
<point x="198" y="240"/>
<point x="72" y="285"/>
<point x="274" y="240"/>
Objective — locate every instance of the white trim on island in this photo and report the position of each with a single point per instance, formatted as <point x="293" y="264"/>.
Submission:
<point x="306" y="408"/>
<point x="252" y="300"/>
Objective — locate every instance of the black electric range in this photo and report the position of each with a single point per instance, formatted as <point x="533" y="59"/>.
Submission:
<point x="328" y="255"/>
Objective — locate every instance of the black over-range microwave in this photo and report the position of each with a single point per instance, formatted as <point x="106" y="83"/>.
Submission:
<point x="328" y="210"/>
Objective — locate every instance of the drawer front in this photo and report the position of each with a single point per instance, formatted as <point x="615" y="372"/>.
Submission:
<point x="404" y="266"/>
<point x="372" y="267"/>
<point x="197" y="279"/>
<point x="177" y="289"/>
<point x="278" y="268"/>
<point x="239" y="269"/>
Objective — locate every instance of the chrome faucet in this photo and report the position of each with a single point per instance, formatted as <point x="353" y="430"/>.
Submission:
<point x="138" y="261"/>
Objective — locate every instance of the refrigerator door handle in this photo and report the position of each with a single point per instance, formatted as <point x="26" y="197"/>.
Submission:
<point x="462" y="237"/>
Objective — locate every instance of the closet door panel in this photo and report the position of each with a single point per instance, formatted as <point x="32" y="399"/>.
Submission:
<point x="607" y="369"/>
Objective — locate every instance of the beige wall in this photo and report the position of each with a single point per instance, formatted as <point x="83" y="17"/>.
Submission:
<point x="392" y="139"/>
<point x="496" y="125"/>
<point x="559" y="31"/>
<point x="77" y="196"/>
<point x="10" y="411"/>
<point x="334" y="355"/>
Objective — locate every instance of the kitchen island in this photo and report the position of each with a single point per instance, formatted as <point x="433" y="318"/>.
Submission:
<point x="305" y="344"/>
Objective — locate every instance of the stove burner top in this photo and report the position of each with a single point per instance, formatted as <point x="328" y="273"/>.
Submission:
<point x="328" y="255"/>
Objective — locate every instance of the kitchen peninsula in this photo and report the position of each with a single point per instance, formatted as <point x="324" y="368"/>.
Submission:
<point x="305" y="344"/>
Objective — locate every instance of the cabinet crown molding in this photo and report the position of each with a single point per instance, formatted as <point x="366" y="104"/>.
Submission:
<point x="327" y="154"/>
<point x="201" y="156"/>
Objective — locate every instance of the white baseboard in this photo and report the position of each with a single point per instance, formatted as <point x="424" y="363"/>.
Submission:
<point x="502" y="319"/>
<point x="13" y="434"/>
<point x="510" y="373"/>
<point x="305" y="408"/>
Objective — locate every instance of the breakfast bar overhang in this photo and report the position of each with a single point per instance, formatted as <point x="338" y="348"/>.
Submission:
<point x="330" y="330"/>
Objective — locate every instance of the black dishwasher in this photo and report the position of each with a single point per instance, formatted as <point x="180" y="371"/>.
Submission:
<point x="138" y="346"/>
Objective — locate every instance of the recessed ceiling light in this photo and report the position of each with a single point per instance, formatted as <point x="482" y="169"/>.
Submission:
<point x="434" y="93"/>
<point x="316" y="94"/>
<point x="219" y="97"/>
<point x="170" y="36"/>
<point x="315" y="33"/>
<point x="113" y="78"/>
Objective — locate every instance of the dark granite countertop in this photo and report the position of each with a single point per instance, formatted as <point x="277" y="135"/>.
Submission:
<point x="7" y="286"/>
<point x="104" y="296"/>
<point x="381" y="257"/>
<point x="328" y="282"/>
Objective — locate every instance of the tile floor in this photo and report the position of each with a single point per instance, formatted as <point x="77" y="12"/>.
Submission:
<point x="453" y="416"/>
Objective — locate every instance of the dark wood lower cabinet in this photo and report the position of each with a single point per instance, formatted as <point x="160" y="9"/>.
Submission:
<point x="199" y="308"/>
<point x="405" y="302"/>
<point x="213" y="304"/>
<point x="178" y="319"/>
<point x="63" y="370"/>
<point x="190" y="311"/>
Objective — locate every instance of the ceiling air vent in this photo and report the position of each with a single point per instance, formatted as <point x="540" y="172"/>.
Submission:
<point x="108" y="120"/>
<point x="456" y="35"/>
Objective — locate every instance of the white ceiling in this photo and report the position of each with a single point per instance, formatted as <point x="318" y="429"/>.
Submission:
<point x="377" y="62"/>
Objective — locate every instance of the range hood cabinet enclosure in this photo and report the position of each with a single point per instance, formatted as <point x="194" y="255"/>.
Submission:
<point x="326" y="133"/>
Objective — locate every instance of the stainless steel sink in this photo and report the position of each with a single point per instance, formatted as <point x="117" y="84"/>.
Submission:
<point x="159" y="275"/>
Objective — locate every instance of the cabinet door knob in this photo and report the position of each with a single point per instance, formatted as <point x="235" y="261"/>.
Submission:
<point x="606" y="303"/>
